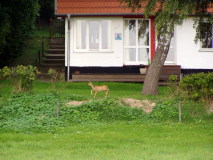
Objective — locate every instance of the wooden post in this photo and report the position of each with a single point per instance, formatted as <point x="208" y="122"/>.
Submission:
<point x="50" y="28"/>
<point x="179" y="111"/>
<point x="58" y="109"/>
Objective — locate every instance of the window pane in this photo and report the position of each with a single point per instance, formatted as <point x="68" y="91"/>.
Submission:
<point x="130" y="54"/>
<point x="143" y="54"/>
<point x="106" y="34"/>
<point x="206" y="35"/>
<point x="130" y="33"/>
<point x="143" y="32"/>
<point x="81" y="34"/>
<point x="93" y="34"/>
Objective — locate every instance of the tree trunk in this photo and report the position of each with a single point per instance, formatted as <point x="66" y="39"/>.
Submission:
<point x="153" y="74"/>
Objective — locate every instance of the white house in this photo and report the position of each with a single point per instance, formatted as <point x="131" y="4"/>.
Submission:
<point x="103" y="37"/>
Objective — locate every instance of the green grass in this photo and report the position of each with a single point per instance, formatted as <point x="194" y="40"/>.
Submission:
<point x="81" y="90"/>
<point x="112" y="141"/>
<point x="116" y="90"/>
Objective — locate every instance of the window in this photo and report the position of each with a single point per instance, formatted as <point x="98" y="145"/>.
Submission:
<point x="136" y="41"/>
<point x="206" y="35"/>
<point x="93" y="35"/>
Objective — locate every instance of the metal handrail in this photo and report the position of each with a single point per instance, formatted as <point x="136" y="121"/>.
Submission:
<point x="40" y="52"/>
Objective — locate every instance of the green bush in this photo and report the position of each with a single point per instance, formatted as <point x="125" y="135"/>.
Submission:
<point x="169" y="111"/>
<point x="22" y="77"/>
<point x="102" y="111"/>
<point x="24" y="111"/>
<point x="197" y="86"/>
<point x="55" y="75"/>
<point x="172" y="82"/>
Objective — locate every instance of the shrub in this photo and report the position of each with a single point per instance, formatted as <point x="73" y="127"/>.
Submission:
<point x="105" y="110"/>
<point x="55" y="75"/>
<point x="169" y="111"/>
<point x="197" y="86"/>
<point x="22" y="112"/>
<point x="172" y="82"/>
<point x="22" y="77"/>
<point x="39" y="112"/>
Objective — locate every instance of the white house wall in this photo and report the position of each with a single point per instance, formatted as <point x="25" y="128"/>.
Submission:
<point x="189" y="54"/>
<point x="111" y="58"/>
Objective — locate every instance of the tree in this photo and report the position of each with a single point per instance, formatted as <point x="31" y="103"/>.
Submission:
<point x="17" y="19"/>
<point x="168" y="13"/>
<point x="46" y="9"/>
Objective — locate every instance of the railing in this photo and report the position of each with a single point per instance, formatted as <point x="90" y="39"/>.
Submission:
<point x="40" y="53"/>
<point x="57" y="28"/>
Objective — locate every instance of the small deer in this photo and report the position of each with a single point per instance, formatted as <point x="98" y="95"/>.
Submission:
<point x="98" y="89"/>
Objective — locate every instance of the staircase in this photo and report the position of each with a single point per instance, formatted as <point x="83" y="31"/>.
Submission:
<point x="54" y="58"/>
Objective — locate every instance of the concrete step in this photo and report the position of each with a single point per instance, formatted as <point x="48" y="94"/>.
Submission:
<point x="55" y="61"/>
<point x="57" y="41"/>
<point x="56" y="46"/>
<point x="55" y="51"/>
<point x="55" y="56"/>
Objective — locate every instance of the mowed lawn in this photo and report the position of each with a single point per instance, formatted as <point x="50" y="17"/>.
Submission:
<point x="112" y="141"/>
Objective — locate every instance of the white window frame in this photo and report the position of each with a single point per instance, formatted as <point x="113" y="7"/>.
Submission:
<point x="87" y="50"/>
<point x="137" y="47"/>
<point x="206" y="49"/>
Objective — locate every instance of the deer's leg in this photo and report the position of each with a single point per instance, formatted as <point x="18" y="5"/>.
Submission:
<point x="95" y="94"/>
<point x="107" y="92"/>
<point x="91" y="92"/>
